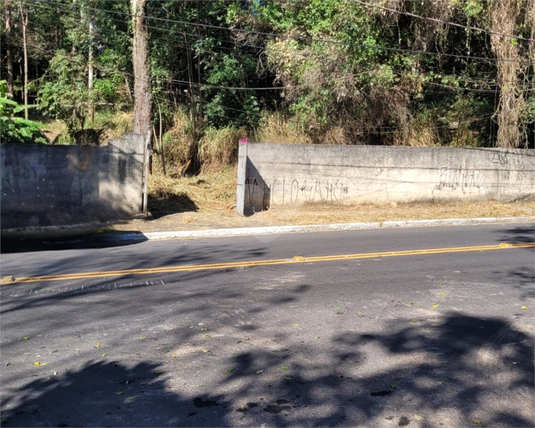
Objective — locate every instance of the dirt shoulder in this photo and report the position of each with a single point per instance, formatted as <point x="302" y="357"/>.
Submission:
<point x="207" y="201"/>
<point x="226" y="217"/>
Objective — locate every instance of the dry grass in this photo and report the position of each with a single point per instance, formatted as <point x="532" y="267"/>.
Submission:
<point x="219" y="147"/>
<point x="178" y="142"/>
<point x="206" y="201"/>
<point x="276" y="128"/>
<point x="54" y="130"/>
<point x="115" y="125"/>
<point x="111" y="126"/>
<point x="212" y="191"/>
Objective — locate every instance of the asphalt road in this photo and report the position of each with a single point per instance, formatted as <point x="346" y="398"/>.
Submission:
<point x="408" y="327"/>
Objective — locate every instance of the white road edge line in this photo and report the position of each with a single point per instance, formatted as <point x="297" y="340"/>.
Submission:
<point x="244" y="231"/>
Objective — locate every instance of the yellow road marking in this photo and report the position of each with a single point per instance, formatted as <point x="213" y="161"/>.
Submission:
<point x="252" y="263"/>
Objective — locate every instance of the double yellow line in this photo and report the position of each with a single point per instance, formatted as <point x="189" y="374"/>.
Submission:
<point x="252" y="263"/>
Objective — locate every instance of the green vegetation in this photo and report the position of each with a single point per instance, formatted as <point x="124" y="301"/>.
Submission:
<point x="391" y="72"/>
<point x="17" y="129"/>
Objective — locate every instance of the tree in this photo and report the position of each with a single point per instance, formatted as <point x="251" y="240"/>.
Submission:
<point x="513" y="110"/>
<point x="142" y="71"/>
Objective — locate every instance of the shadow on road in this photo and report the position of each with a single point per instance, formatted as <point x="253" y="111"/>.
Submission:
<point x="518" y="234"/>
<point x="454" y="371"/>
<point x="96" y="240"/>
<point x="524" y="277"/>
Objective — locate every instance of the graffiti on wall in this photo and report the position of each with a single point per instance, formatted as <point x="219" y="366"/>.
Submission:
<point x="283" y="192"/>
<point x="459" y="178"/>
<point x="514" y="167"/>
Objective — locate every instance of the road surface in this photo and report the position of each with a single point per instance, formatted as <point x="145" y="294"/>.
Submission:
<point x="408" y="327"/>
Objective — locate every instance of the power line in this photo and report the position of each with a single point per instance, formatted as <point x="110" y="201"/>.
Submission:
<point x="440" y="21"/>
<point x="306" y="38"/>
<point x="276" y="88"/>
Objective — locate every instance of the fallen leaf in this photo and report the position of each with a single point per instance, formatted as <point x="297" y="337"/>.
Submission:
<point x="119" y="393"/>
<point x="515" y="363"/>
<point x="296" y="325"/>
<point x="239" y="341"/>
<point x="206" y="351"/>
<point x="284" y="368"/>
<point x="259" y="371"/>
<point x="190" y="326"/>
<point x="418" y="417"/>
<point x="36" y="363"/>
<point x="414" y="321"/>
<point x="166" y="351"/>
<point x="43" y="364"/>
<point x="8" y="363"/>
<point x="103" y="355"/>
<point x="228" y="371"/>
<point x="55" y="373"/>
<point x="26" y="337"/>
<point x="142" y="338"/>
<point x="174" y="355"/>
<point x="316" y="337"/>
<point x="476" y="422"/>
<point x="97" y="345"/>
<point x="288" y="378"/>
<point x="524" y="307"/>
<point x="435" y="306"/>
<point x="393" y="386"/>
<point x="158" y="372"/>
<point x="207" y="336"/>
<point x="129" y="399"/>
<point x="410" y="303"/>
<point x="442" y="294"/>
<point x="127" y="381"/>
<point x="204" y="329"/>
<point x="78" y="350"/>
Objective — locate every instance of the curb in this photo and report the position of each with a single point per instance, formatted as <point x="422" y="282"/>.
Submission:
<point x="212" y="233"/>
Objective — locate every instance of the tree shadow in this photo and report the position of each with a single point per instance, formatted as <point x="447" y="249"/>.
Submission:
<point x="518" y="234"/>
<point x="76" y="242"/>
<point x="455" y="371"/>
<point x="161" y="205"/>
<point x="524" y="277"/>
<point x="99" y="394"/>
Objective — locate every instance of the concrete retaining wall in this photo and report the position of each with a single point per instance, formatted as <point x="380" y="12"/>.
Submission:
<point x="54" y="188"/>
<point x="281" y="175"/>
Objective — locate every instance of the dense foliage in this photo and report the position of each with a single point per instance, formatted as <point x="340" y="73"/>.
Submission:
<point x="434" y="72"/>
<point x="15" y="129"/>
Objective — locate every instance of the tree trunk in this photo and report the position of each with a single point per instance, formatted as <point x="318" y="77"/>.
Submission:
<point x="24" y="21"/>
<point x="90" y="71"/>
<point x="142" y="72"/>
<point x="503" y="14"/>
<point x="9" y="55"/>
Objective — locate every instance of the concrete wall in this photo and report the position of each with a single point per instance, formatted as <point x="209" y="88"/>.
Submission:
<point x="50" y="188"/>
<point x="281" y="175"/>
